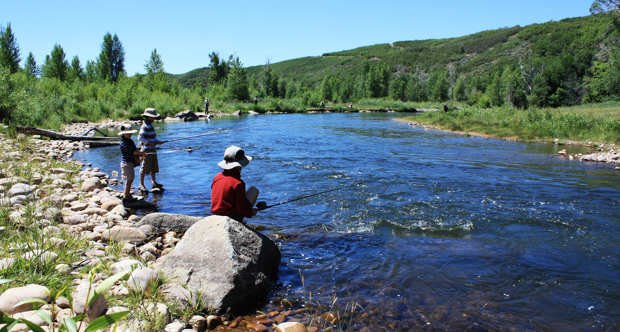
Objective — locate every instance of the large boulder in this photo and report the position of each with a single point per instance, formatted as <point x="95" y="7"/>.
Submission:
<point x="166" y="222"/>
<point x="230" y="265"/>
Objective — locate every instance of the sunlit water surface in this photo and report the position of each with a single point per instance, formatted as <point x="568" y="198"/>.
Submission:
<point x="438" y="231"/>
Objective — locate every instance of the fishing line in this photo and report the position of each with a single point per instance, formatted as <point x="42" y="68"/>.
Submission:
<point x="263" y="205"/>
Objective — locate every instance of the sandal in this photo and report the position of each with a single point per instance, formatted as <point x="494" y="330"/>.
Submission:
<point x="158" y="185"/>
<point x="142" y="189"/>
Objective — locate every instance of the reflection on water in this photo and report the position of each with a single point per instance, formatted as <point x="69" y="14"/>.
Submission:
<point x="441" y="231"/>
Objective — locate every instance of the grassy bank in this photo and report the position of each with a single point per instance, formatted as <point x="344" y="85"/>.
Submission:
<point x="594" y="123"/>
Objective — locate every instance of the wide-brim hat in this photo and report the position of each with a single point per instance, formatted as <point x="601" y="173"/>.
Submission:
<point x="151" y="113"/>
<point x="234" y="156"/>
<point x="125" y="132"/>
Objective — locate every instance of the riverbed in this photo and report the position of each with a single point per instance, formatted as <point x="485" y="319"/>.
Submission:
<point x="428" y="229"/>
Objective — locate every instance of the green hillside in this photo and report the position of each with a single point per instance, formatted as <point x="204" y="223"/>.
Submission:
<point x="581" y="38"/>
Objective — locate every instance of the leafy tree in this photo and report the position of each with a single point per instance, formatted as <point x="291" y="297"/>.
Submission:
<point x="237" y="83"/>
<point x="601" y="6"/>
<point x="439" y="86"/>
<point x="460" y="89"/>
<point x="397" y="88"/>
<point x="270" y="82"/>
<point x="111" y="62"/>
<point x="218" y="68"/>
<point x="30" y="66"/>
<point x="494" y="91"/>
<point x="91" y="71"/>
<point x="55" y="65"/>
<point x="76" y="72"/>
<point x="9" y="51"/>
<point x="327" y="88"/>
<point x="377" y="80"/>
<point x="155" y="65"/>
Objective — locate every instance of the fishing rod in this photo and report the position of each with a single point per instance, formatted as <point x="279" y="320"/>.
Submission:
<point x="263" y="205"/>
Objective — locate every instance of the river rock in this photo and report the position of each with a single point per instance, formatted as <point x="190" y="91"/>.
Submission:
<point x="13" y="296"/>
<point x="20" y="189"/>
<point x="165" y="222"/>
<point x="124" y="233"/>
<point x="174" y="327"/>
<point x="6" y="263"/>
<point x="291" y="327"/>
<point x="124" y="265"/>
<point x="109" y="204"/>
<point x="91" y="184"/>
<point x="80" y="296"/>
<point x="232" y="266"/>
<point x="31" y="316"/>
<point x="198" y="323"/>
<point x="74" y="219"/>
<point x="140" y="278"/>
<point x="177" y="294"/>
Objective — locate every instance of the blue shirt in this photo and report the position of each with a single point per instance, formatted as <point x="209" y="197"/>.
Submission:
<point x="128" y="147"/>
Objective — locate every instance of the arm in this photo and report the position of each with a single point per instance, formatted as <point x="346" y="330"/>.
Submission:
<point x="242" y="204"/>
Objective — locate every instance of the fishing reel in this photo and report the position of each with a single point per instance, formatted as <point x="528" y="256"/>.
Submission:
<point x="261" y="206"/>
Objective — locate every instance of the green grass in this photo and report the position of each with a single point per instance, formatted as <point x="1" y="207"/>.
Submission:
<point x="593" y="123"/>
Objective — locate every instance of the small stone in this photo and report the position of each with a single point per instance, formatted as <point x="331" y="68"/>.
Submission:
<point x="62" y="268"/>
<point x="110" y="204"/>
<point x="128" y="248"/>
<point x="147" y="256"/>
<point x="213" y="321"/>
<point x="91" y="184"/>
<point x="141" y="277"/>
<point x="20" y="189"/>
<point x="124" y="233"/>
<point x="63" y="302"/>
<point x="125" y="265"/>
<point x="256" y="326"/>
<point x="175" y="326"/>
<point x="13" y="296"/>
<point x="198" y="323"/>
<point x="78" y="206"/>
<point x="291" y="327"/>
<point x="80" y="295"/>
<point x="32" y="316"/>
<point x="70" y="197"/>
<point x="74" y="219"/>
<point x="5" y="263"/>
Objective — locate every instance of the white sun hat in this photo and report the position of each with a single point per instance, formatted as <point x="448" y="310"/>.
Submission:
<point x="234" y="156"/>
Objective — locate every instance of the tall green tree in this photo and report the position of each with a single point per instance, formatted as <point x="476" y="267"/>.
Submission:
<point x="237" y="85"/>
<point x="91" y="71"/>
<point x="218" y="68"/>
<point x="111" y="62"/>
<point x="76" y="72"/>
<point x="56" y="66"/>
<point x="9" y="51"/>
<point x="398" y="86"/>
<point x="460" y="89"/>
<point x="154" y="65"/>
<point x="269" y="82"/>
<point x="30" y="66"/>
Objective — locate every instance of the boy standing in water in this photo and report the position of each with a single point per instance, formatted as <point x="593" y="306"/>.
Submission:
<point x="148" y="141"/>
<point x="128" y="154"/>
<point x="228" y="195"/>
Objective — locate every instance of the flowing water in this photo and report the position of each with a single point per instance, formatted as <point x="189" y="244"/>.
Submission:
<point x="438" y="231"/>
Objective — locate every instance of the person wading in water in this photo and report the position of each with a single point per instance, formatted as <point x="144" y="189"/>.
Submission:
<point x="129" y="159"/>
<point x="148" y="141"/>
<point x="228" y="194"/>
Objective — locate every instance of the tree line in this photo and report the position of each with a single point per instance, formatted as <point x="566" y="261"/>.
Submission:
<point x="560" y="66"/>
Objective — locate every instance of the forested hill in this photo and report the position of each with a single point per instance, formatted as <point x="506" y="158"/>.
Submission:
<point x="562" y="54"/>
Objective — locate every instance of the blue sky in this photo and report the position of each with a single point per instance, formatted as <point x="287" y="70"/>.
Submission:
<point x="185" y="32"/>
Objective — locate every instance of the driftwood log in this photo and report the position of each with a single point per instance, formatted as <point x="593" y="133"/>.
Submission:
<point x="93" y="141"/>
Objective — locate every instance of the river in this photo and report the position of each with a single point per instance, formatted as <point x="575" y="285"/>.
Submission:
<point x="438" y="231"/>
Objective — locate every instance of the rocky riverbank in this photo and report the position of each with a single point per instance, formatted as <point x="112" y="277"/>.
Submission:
<point x="65" y="232"/>
<point x="603" y="152"/>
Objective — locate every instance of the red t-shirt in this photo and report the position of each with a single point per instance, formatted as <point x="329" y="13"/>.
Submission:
<point x="228" y="196"/>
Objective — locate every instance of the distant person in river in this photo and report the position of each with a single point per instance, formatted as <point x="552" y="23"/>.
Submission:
<point x="207" y="105"/>
<point x="148" y="142"/>
<point x="130" y="158"/>
<point x="228" y="194"/>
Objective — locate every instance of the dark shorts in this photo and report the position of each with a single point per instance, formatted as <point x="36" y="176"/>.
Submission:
<point x="150" y="164"/>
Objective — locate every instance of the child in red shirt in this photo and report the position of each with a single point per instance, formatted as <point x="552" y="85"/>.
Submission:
<point x="228" y="194"/>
